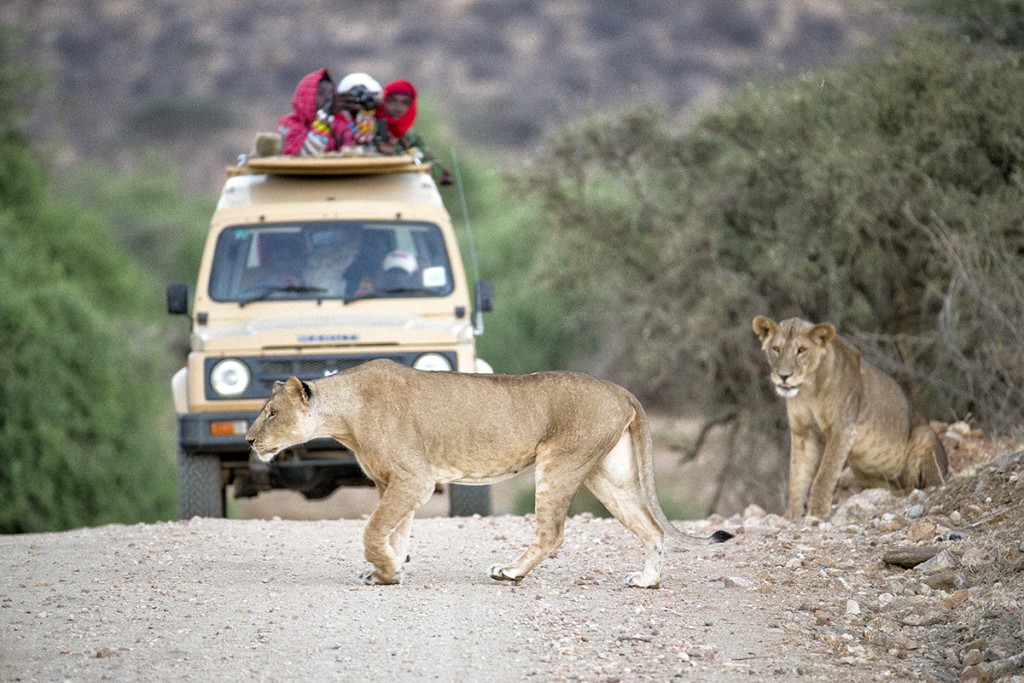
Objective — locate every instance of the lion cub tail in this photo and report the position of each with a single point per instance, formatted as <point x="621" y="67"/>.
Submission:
<point x="640" y="433"/>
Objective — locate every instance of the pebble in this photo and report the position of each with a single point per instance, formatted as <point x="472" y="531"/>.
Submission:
<point x="941" y="561"/>
<point x="921" y="530"/>
<point x="974" y="558"/>
<point x="973" y="511"/>
<point x="737" y="582"/>
<point x="955" y="599"/>
<point x="754" y="512"/>
<point x="945" y="579"/>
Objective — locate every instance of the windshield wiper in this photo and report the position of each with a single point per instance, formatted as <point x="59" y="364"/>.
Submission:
<point x="287" y="289"/>
<point x="385" y="293"/>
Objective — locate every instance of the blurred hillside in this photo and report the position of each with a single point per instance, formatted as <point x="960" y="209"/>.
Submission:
<point x="201" y="78"/>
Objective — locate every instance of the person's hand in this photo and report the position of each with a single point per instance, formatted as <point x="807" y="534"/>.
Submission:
<point x="386" y="144"/>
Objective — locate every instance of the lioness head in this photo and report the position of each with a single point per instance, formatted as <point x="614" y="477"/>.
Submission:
<point x="794" y="348"/>
<point x="284" y="421"/>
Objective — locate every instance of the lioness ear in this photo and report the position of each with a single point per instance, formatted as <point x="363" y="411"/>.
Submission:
<point x="823" y="333"/>
<point x="764" y="327"/>
<point x="296" y="387"/>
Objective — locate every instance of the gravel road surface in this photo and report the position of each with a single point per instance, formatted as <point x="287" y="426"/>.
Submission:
<point x="213" y="600"/>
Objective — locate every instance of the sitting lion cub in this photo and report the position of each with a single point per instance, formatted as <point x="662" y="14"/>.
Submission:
<point x="411" y="430"/>
<point x="843" y="409"/>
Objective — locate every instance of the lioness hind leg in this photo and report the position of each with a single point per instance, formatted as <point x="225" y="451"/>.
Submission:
<point x="552" y="504"/>
<point x="386" y="536"/>
<point x="616" y="484"/>
<point x="927" y="458"/>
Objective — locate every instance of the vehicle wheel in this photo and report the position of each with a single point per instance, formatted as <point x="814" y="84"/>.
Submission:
<point x="466" y="501"/>
<point x="200" y="491"/>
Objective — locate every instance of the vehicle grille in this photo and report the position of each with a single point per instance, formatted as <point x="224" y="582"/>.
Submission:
<point x="278" y="369"/>
<point x="269" y="369"/>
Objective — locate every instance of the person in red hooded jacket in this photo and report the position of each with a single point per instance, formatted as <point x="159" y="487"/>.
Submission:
<point x="395" y="117"/>
<point x="307" y="130"/>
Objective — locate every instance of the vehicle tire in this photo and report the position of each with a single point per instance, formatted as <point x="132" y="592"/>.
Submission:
<point x="466" y="501"/>
<point x="200" y="491"/>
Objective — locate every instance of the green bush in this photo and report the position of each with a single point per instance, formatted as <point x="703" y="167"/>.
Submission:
<point x="148" y="211"/>
<point x="1000" y="21"/>
<point x="82" y="380"/>
<point x="820" y="197"/>
<point x="536" y="324"/>
<point x="81" y="404"/>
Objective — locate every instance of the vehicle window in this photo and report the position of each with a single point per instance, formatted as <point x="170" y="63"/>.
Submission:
<point x="330" y="260"/>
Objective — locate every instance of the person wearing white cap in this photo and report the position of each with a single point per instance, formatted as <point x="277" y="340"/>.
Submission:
<point x="355" y="119"/>
<point x="399" y="272"/>
<point x="359" y="78"/>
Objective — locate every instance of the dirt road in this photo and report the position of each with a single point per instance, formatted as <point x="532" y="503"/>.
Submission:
<point x="218" y="600"/>
<point x="278" y="600"/>
<point x="226" y="600"/>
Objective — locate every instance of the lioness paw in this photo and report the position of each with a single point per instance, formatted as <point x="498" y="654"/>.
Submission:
<point x="373" y="578"/>
<point x="502" y="574"/>
<point x="637" y="580"/>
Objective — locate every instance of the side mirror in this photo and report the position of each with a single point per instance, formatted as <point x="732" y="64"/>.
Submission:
<point x="485" y="296"/>
<point x="177" y="299"/>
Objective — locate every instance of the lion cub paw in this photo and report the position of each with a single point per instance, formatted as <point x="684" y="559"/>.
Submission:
<point x="374" y="578"/>
<point x="637" y="580"/>
<point x="501" y="574"/>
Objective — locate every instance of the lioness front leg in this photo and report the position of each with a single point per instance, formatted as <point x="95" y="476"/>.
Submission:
<point x="400" y="538"/>
<point x="804" y="452"/>
<point x="837" y="448"/>
<point x="385" y="538"/>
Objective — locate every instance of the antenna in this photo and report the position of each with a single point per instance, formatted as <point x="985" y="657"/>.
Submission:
<point x="478" y="325"/>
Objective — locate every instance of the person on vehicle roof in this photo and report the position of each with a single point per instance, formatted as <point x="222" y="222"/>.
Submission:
<point x="395" y="118"/>
<point x="307" y="130"/>
<point x="355" y="121"/>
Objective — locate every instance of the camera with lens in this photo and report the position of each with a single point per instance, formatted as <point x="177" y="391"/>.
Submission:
<point x="363" y="95"/>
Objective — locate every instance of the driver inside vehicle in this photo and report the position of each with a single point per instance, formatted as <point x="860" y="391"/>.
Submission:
<point x="331" y="253"/>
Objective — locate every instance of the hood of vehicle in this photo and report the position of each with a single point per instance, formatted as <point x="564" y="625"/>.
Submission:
<point x="309" y="331"/>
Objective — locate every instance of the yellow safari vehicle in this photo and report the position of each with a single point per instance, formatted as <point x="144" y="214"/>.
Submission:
<point x="312" y="266"/>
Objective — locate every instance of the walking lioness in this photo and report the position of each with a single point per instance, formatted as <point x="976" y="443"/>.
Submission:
<point x="843" y="409"/>
<point x="411" y="430"/>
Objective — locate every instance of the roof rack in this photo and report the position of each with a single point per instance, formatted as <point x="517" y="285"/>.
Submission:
<point x="329" y="165"/>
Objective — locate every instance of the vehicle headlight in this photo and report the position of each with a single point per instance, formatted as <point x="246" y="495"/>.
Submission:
<point x="432" y="361"/>
<point x="230" y="377"/>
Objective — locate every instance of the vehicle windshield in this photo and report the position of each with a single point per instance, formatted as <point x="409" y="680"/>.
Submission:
<point x="329" y="260"/>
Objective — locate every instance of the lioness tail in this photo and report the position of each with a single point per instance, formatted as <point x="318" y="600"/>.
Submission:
<point x="642" y="449"/>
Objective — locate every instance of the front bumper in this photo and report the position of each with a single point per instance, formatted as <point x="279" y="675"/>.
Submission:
<point x="214" y="432"/>
<point x="225" y="433"/>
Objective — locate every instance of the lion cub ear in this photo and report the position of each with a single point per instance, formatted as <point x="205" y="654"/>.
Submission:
<point x="298" y="389"/>
<point x="822" y="334"/>
<point x="764" y="327"/>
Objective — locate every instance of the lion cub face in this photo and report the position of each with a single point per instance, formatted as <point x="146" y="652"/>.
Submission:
<point x="794" y="349"/>
<point x="282" y="422"/>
